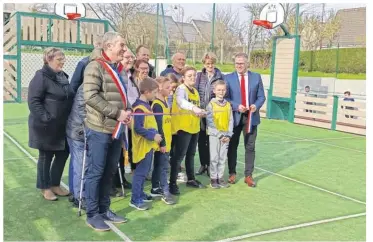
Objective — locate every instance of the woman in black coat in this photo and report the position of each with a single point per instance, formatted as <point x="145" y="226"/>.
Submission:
<point x="50" y="99"/>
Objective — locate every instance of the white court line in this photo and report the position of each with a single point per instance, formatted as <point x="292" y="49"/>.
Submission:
<point x="19" y="158"/>
<point x="112" y="226"/>
<point x="317" y="142"/>
<point x="297" y="226"/>
<point x="309" y="185"/>
<point x="304" y="140"/>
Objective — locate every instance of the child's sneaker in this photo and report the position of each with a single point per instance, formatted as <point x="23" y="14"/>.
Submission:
<point x="214" y="184"/>
<point x="139" y="206"/>
<point x="222" y="183"/>
<point x="156" y="192"/>
<point x="169" y="199"/>
<point x="147" y="198"/>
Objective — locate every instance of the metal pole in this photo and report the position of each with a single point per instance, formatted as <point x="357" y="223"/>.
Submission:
<point x="166" y="36"/>
<point x="156" y="43"/>
<point x="337" y="63"/>
<point x="297" y="19"/>
<point x="213" y="28"/>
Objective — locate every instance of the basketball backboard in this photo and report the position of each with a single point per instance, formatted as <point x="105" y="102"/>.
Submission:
<point x="70" y="10"/>
<point x="273" y="13"/>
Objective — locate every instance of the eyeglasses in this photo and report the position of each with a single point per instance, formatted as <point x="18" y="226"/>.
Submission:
<point x="61" y="59"/>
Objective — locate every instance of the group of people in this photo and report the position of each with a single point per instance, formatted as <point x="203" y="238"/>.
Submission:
<point x="114" y="104"/>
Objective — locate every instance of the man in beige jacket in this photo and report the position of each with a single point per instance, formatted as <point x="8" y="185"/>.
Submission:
<point x="107" y="111"/>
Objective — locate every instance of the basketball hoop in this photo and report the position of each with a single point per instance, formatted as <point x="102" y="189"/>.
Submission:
<point x="73" y="16"/>
<point x="70" y="11"/>
<point x="264" y="23"/>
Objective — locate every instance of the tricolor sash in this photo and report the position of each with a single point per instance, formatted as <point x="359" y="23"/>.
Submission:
<point x="119" y="127"/>
<point x="249" y="126"/>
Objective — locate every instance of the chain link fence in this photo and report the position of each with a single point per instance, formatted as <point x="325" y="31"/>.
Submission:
<point x="31" y="62"/>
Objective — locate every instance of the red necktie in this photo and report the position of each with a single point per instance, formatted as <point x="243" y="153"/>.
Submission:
<point x="243" y="91"/>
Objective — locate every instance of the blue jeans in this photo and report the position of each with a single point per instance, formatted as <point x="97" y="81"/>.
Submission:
<point x="160" y="170"/>
<point x="138" y="180"/>
<point x="71" y="172"/>
<point x="76" y="161"/>
<point x="102" y="161"/>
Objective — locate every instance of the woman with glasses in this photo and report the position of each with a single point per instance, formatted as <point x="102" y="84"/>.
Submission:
<point x="50" y="99"/>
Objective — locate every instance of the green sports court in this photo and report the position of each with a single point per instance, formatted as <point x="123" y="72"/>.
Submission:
<point x="310" y="186"/>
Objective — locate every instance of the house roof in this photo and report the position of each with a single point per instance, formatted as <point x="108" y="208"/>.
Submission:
<point x="353" y="27"/>
<point x="189" y="32"/>
<point x="172" y="28"/>
<point x="203" y="28"/>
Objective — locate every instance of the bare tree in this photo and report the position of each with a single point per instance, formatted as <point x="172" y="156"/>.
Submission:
<point x="42" y="7"/>
<point x="122" y="15"/>
<point x="227" y="25"/>
<point x="331" y="27"/>
<point x="253" y="31"/>
<point x="315" y="28"/>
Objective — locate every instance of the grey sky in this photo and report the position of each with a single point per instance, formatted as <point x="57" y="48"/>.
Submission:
<point x="197" y="11"/>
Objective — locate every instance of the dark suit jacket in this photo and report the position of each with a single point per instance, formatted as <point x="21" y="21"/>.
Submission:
<point x="256" y="94"/>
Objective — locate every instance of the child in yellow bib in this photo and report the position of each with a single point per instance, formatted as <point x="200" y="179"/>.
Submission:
<point x="162" y="113"/>
<point x="146" y="139"/>
<point x="185" y="126"/>
<point x="220" y="130"/>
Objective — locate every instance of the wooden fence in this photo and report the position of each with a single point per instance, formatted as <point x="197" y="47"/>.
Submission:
<point x="331" y="112"/>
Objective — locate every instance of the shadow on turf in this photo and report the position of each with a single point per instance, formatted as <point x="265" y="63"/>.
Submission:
<point x="151" y="228"/>
<point x="27" y="216"/>
<point x="276" y="159"/>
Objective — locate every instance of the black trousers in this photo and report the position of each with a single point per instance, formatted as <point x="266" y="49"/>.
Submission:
<point x="133" y="165"/>
<point x="50" y="168"/>
<point x="185" y="146"/>
<point x="249" y="140"/>
<point x="116" y="182"/>
<point x="204" y="147"/>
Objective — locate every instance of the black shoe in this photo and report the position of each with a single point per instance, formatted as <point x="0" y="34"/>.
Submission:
<point x="169" y="199"/>
<point x="140" y="206"/>
<point x="112" y="217"/>
<point x="201" y="170"/>
<point x="157" y="192"/>
<point x="71" y="198"/>
<point x="76" y="204"/>
<point x="194" y="184"/>
<point x="222" y="183"/>
<point x="208" y="171"/>
<point x="97" y="223"/>
<point x="147" y="198"/>
<point x="174" y="189"/>
<point x="214" y="184"/>
<point x="127" y="185"/>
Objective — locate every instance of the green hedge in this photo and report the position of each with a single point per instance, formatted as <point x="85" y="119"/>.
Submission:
<point x="351" y="60"/>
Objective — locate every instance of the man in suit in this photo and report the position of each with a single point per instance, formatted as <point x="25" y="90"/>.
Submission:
<point x="245" y="92"/>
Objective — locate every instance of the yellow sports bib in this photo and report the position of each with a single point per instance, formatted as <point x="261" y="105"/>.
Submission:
<point x="185" y="120"/>
<point x="166" y="123"/>
<point x="221" y="115"/>
<point x="142" y="146"/>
